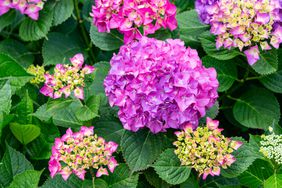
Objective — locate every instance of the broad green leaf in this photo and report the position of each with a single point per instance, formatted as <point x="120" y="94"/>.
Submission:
<point x="275" y="181"/>
<point x="100" y="183"/>
<point x="257" y="108"/>
<point x="97" y="86"/>
<point x="62" y="11"/>
<point x="7" y="19"/>
<point x="226" y="71"/>
<point x="211" y="113"/>
<point x="24" y="110"/>
<point x="58" y="182"/>
<point x="221" y="182"/>
<point x="5" y="98"/>
<point x="256" y="174"/>
<point x="244" y="156"/>
<point x="268" y="62"/>
<point x="58" y="48"/>
<point x="13" y="163"/>
<point x="273" y="81"/>
<point x="153" y="178"/>
<point x="5" y="120"/>
<point x="110" y="130"/>
<point x="161" y="34"/>
<point x="191" y="182"/>
<point x="40" y="148"/>
<point x="169" y="168"/>
<point x="62" y="114"/>
<point x="29" y="178"/>
<point x="31" y="30"/>
<point x="25" y="133"/>
<point x="90" y="110"/>
<point x="18" y="51"/>
<point x="93" y="103"/>
<point x="208" y="43"/>
<point x="190" y="29"/>
<point x="140" y="149"/>
<point x="122" y="178"/>
<point x="106" y="41"/>
<point x="12" y="71"/>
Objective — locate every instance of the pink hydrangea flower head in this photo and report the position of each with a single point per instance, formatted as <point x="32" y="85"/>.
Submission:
<point x="77" y="152"/>
<point x="128" y="15"/>
<point x="160" y="85"/>
<point x="249" y="25"/>
<point x="67" y="79"/>
<point x="31" y="8"/>
<point x="205" y="149"/>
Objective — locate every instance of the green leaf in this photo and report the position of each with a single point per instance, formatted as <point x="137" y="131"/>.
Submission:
<point x="106" y="41"/>
<point x="25" y="133"/>
<point x="274" y="181"/>
<point x="211" y="113"/>
<point x="97" y="85"/>
<point x="5" y="120"/>
<point x="7" y="19"/>
<point x="221" y="182"/>
<point x="109" y="130"/>
<point x="100" y="183"/>
<point x="12" y="71"/>
<point x="31" y="30"/>
<point x="13" y="163"/>
<point x="59" y="182"/>
<point x="256" y="174"/>
<point x="5" y="98"/>
<point x="29" y="178"/>
<point x="273" y="82"/>
<point x="62" y="11"/>
<point x="122" y="178"/>
<point x="140" y="149"/>
<point x="208" y="43"/>
<point x="192" y="29"/>
<point x="61" y="112"/>
<point x="191" y="182"/>
<point x="268" y="62"/>
<point x="153" y="178"/>
<point x="24" y="110"/>
<point x="18" y="51"/>
<point x="40" y="148"/>
<point x="58" y="48"/>
<point x="244" y="156"/>
<point x="169" y="168"/>
<point x="90" y="110"/>
<point x="257" y="108"/>
<point x="226" y="71"/>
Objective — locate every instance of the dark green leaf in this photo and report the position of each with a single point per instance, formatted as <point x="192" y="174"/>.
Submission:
<point x="122" y="178"/>
<point x="24" y="110"/>
<point x="5" y="98"/>
<point x="109" y="130"/>
<point x="226" y="71"/>
<point x="106" y="41"/>
<point x="62" y="11"/>
<point x="169" y="168"/>
<point x="153" y="178"/>
<point x="29" y="178"/>
<point x="140" y="149"/>
<point x="59" y="182"/>
<point x="268" y="62"/>
<point x="58" y="48"/>
<point x="7" y="19"/>
<point x="13" y="163"/>
<point x="257" y="108"/>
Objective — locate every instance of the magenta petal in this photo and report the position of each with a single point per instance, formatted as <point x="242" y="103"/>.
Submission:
<point x="252" y="55"/>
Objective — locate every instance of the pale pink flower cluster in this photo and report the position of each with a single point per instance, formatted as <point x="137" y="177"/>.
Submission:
<point x="80" y="151"/>
<point x="205" y="149"/>
<point x="160" y="85"/>
<point x="127" y="16"/>
<point x="67" y="78"/>
<point x="249" y="25"/>
<point x="31" y="8"/>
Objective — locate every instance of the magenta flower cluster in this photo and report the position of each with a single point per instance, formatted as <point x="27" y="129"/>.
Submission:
<point x="30" y="8"/>
<point x="67" y="78"/>
<point x="160" y="85"/>
<point x="128" y="15"/>
<point x="249" y="25"/>
<point x="81" y="151"/>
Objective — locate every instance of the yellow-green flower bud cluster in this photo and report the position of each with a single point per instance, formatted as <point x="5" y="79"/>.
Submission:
<point x="38" y="73"/>
<point x="205" y="149"/>
<point x="271" y="147"/>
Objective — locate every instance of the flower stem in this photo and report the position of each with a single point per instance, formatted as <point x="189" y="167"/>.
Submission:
<point x="93" y="181"/>
<point x="83" y="31"/>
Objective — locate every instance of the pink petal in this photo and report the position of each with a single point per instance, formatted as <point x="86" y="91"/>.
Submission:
<point x="252" y="55"/>
<point x="101" y="171"/>
<point x="77" y="60"/>
<point x="212" y="124"/>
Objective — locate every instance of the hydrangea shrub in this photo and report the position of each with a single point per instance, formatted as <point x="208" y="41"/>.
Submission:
<point x="155" y="78"/>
